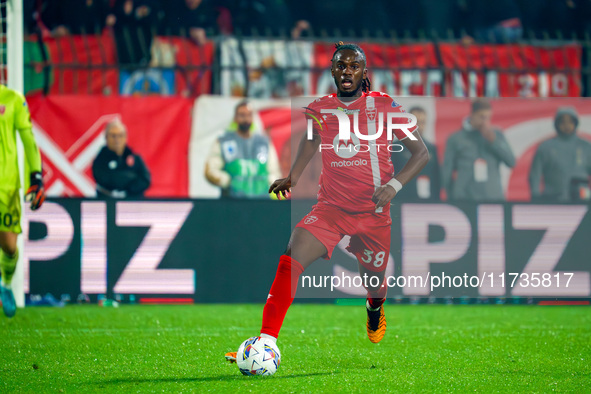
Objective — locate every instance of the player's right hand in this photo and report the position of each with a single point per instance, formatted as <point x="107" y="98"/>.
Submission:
<point x="36" y="192"/>
<point x="281" y="186"/>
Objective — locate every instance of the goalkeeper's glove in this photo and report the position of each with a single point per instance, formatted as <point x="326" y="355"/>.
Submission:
<point x="36" y="192"/>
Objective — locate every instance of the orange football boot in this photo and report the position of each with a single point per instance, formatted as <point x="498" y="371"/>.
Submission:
<point x="231" y="357"/>
<point x="376" y="324"/>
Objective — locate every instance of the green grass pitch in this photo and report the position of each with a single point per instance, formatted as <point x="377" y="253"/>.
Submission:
<point x="324" y="349"/>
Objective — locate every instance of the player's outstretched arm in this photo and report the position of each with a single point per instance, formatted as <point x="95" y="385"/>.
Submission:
<point x="306" y="151"/>
<point x="418" y="159"/>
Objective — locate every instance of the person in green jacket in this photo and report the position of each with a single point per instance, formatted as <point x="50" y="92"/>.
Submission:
<point x="474" y="155"/>
<point x="243" y="164"/>
<point x="14" y="116"/>
<point x="562" y="164"/>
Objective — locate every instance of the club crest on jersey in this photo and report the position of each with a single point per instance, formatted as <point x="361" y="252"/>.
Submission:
<point x="371" y="113"/>
<point x="2" y="109"/>
<point x="310" y="219"/>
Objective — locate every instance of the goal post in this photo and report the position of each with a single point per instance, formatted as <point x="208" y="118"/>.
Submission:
<point x="13" y="71"/>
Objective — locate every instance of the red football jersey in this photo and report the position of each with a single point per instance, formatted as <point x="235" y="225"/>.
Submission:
<point x="353" y="169"/>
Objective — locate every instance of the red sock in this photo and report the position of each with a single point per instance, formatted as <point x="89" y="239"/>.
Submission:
<point x="281" y="295"/>
<point x="377" y="297"/>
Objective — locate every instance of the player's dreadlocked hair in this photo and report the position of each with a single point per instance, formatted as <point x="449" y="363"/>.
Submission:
<point x="339" y="46"/>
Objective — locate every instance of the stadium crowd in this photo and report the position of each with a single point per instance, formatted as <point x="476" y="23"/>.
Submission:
<point x="503" y="20"/>
<point x="470" y="168"/>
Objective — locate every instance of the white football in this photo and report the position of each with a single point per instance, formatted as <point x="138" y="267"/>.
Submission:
<point x="258" y="356"/>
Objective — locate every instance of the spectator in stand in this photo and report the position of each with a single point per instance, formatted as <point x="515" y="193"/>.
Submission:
<point x="324" y="17"/>
<point x="243" y="164"/>
<point x="566" y="17"/>
<point x="374" y="17"/>
<point x="492" y="21"/>
<point x="134" y="23"/>
<point x="261" y="15"/>
<point x="63" y="17"/>
<point x="192" y="18"/>
<point x="118" y="172"/>
<point x="584" y="17"/>
<point x="30" y="16"/>
<point x="427" y="185"/>
<point x="475" y="154"/>
<point x="562" y="164"/>
<point x="428" y="16"/>
<point x="547" y="17"/>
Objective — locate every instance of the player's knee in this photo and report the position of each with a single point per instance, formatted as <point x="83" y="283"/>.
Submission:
<point x="8" y="242"/>
<point x="9" y="249"/>
<point x="297" y="255"/>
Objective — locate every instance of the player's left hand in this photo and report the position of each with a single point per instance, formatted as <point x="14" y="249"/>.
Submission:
<point x="383" y="195"/>
<point x="36" y="192"/>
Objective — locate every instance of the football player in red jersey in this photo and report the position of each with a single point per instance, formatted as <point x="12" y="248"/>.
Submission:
<point x="356" y="187"/>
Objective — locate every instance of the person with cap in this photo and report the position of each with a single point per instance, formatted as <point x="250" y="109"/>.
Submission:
<point x="562" y="165"/>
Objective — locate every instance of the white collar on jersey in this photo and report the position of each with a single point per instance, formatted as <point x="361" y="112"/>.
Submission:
<point x="363" y="94"/>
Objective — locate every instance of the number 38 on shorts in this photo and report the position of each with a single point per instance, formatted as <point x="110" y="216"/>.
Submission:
<point x="377" y="261"/>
